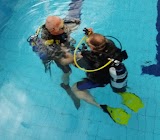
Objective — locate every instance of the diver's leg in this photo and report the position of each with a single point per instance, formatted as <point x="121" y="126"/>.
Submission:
<point x="84" y="95"/>
<point x="65" y="78"/>
<point x="66" y="73"/>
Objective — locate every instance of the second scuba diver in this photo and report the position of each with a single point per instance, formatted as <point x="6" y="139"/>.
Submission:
<point x="103" y="52"/>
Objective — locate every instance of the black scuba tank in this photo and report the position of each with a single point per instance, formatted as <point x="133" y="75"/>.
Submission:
<point x="118" y="76"/>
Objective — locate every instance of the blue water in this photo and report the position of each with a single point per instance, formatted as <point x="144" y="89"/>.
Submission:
<point x="32" y="104"/>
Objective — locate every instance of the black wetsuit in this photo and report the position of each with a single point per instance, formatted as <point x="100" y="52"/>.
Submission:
<point x="94" y="60"/>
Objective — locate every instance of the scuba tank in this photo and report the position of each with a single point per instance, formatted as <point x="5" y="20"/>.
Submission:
<point x="118" y="76"/>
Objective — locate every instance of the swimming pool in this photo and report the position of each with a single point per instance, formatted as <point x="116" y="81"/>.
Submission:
<point x="34" y="106"/>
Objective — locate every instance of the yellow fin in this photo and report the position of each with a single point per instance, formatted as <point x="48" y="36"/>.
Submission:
<point x="119" y="115"/>
<point x="132" y="101"/>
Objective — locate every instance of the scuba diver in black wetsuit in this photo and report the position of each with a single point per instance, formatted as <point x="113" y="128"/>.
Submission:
<point x="102" y="51"/>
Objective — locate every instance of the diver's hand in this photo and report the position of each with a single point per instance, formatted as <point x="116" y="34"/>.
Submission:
<point x="64" y="48"/>
<point x="88" y="31"/>
<point x="67" y="59"/>
<point x="79" y="55"/>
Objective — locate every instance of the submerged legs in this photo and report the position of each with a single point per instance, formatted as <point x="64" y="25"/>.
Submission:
<point x="84" y="95"/>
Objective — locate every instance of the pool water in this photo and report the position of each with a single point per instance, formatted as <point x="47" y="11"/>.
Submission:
<point x="33" y="106"/>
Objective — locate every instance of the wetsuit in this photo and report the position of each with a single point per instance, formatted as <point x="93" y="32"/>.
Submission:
<point x="96" y="60"/>
<point x="64" y="38"/>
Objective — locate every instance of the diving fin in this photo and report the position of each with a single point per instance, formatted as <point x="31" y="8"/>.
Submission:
<point x="117" y="114"/>
<point x="132" y="101"/>
<point x="75" y="100"/>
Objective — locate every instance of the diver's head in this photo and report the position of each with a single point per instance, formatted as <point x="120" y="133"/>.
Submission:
<point x="96" y="42"/>
<point x="55" y="25"/>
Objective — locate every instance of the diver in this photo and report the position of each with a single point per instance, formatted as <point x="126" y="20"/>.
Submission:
<point x="55" y="44"/>
<point x="52" y="43"/>
<point x="102" y="51"/>
<point x="57" y="31"/>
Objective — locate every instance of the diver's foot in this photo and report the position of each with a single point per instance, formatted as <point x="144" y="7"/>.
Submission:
<point x="64" y="86"/>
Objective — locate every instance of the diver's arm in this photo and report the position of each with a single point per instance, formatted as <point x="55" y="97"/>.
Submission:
<point x="72" y="24"/>
<point x="68" y="59"/>
<point x="45" y="36"/>
<point x="44" y="33"/>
